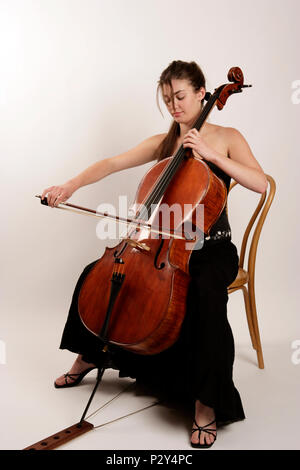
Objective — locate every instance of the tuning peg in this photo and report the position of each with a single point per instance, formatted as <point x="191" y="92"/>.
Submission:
<point x="235" y="91"/>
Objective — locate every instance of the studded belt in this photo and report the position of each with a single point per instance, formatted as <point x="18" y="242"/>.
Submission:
<point x="219" y="235"/>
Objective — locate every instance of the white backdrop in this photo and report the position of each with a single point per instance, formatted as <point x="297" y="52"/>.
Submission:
<point x="78" y="84"/>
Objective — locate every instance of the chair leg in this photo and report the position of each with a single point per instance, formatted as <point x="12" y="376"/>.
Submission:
<point x="255" y="325"/>
<point x="249" y="316"/>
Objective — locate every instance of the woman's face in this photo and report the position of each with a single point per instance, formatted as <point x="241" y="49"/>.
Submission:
<point x="182" y="101"/>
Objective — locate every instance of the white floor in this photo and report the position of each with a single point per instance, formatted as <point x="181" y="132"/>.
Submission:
<point x="32" y="409"/>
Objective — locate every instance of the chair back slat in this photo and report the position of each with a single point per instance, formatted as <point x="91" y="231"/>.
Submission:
<point x="259" y="226"/>
<point x="262" y="208"/>
<point x="245" y="278"/>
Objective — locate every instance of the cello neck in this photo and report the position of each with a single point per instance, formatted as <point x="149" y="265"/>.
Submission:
<point x="207" y="109"/>
<point x="169" y="172"/>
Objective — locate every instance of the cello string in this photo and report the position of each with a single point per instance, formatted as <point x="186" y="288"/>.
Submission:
<point x="171" y="168"/>
<point x="144" y="214"/>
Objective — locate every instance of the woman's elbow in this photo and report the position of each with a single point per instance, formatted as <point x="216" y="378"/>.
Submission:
<point x="263" y="185"/>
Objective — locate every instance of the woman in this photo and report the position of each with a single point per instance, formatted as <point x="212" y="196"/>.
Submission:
<point x="197" y="369"/>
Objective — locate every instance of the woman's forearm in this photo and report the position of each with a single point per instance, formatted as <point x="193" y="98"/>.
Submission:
<point x="251" y="178"/>
<point x="142" y="153"/>
<point x="92" y="174"/>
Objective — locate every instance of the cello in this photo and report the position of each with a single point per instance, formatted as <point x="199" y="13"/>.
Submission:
<point x="116" y="301"/>
<point x="145" y="270"/>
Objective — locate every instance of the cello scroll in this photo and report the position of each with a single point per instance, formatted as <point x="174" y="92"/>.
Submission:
<point x="236" y="76"/>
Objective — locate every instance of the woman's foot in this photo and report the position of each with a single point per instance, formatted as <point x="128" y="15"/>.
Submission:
<point x="204" y="415"/>
<point x="78" y="367"/>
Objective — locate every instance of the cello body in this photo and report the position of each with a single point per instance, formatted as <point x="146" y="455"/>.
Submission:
<point x="135" y="295"/>
<point x="147" y="313"/>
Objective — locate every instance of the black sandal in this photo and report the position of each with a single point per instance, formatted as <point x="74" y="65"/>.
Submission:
<point x="75" y="381"/>
<point x="202" y="428"/>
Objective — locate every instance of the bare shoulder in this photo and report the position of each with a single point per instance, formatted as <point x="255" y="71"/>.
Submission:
<point x="151" y="144"/>
<point x="229" y="136"/>
<point x="231" y="133"/>
<point x="217" y="137"/>
<point x="238" y="148"/>
<point x="142" y="153"/>
<point x="235" y="141"/>
<point x="157" y="139"/>
<point x="215" y="132"/>
<point x="222" y="132"/>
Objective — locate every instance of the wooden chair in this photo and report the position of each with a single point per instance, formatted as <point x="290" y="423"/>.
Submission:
<point x="246" y="276"/>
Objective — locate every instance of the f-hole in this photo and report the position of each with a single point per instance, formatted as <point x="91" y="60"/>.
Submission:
<point x="118" y="254"/>
<point x="162" y="265"/>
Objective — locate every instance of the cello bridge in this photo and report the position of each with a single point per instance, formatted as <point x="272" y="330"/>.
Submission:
<point x="136" y="244"/>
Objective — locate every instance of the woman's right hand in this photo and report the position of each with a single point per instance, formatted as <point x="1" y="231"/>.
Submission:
<point x="57" y="194"/>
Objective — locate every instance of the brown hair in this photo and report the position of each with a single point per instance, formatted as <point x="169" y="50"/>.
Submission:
<point x="177" y="70"/>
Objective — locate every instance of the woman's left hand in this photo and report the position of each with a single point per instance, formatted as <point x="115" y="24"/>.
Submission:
<point x="194" y="141"/>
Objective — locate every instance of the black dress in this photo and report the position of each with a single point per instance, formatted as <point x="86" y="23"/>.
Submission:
<point x="199" y="365"/>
